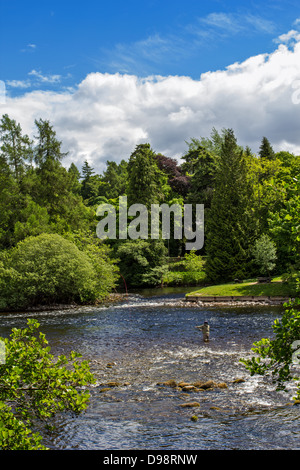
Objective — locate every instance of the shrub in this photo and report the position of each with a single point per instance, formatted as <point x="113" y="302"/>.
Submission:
<point x="46" y="269"/>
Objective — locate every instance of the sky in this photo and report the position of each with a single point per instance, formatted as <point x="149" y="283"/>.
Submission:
<point x="110" y="75"/>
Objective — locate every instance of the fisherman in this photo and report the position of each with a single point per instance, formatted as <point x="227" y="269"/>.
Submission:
<point x="205" y="331"/>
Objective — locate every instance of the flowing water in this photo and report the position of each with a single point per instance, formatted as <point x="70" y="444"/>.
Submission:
<point x="149" y="339"/>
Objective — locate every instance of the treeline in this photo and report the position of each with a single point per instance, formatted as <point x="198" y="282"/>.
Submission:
<point x="252" y="224"/>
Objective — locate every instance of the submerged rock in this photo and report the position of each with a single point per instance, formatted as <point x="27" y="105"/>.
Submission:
<point x="198" y="386"/>
<point x="222" y="385"/>
<point x="207" y="385"/>
<point x="189" y="388"/>
<point x="192" y="404"/>
<point x="238" y="381"/>
<point x="170" y="383"/>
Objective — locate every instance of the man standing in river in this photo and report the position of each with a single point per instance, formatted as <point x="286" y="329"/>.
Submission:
<point x="205" y="331"/>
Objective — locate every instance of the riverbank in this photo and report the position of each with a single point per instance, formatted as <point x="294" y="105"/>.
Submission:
<point x="276" y="291"/>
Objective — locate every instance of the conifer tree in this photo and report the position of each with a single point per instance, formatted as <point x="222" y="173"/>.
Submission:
<point x="145" y="181"/>
<point x="16" y="148"/>
<point x="230" y="229"/>
<point x="265" y="150"/>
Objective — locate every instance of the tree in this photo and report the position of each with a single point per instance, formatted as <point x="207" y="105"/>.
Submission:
<point x="276" y="357"/>
<point x="201" y="165"/>
<point x="16" y="148"/>
<point x="114" y="180"/>
<point x="265" y="150"/>
<point x="284" y="224"/>
<point x="48" y="269"/>
<point x="230" y="227"/>
<point x="146" y="183"/>
<point x="75" y="184"/>
<point x="142" y="262"/>
<point x="90" y="185"/>
<point x="264" y="253"/>
<point x="48" y="148"/>
<point x="37" y="386"/>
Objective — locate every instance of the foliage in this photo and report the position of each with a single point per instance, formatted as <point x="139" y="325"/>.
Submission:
<point x="266" y="150"/>
<point x="37" y="386"/>
<point x="63" y="273"/>
<point x="142" y="262"/>
<point x="189" y="271"/>
<point x="230" y="226"/>
<point x="275" y="357"/>
<point x="285" y="224"/>
<point x="146" y="183"/>
<point x="264" y="253"/>
<point x="245" y="197"/>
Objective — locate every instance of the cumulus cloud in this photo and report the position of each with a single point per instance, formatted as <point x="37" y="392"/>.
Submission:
<point x="107" y="115"/>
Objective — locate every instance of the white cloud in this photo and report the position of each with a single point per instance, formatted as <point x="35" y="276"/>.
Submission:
<point x="45" y="78"/>
<point x="109" y="114"/>
<point x="19" y="83"/>
<point x="292" y="35"/>
<point x="29" y="48"/>
<point x="233" y="23"/>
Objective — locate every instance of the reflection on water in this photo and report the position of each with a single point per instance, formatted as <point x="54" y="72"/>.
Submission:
<point x="149" y="339"/>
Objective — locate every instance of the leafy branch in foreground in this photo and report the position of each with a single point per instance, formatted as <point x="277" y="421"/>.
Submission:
<point x="276" y="357"/>
<point x="34" y="386"/>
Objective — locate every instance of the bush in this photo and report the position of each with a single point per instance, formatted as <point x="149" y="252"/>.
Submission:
<point x="35" y="386"/>
<point x="189" y="271"/>
<point x="142" y="262"/>
<point x="46" y="269"/>
<point x="264" y="253"/>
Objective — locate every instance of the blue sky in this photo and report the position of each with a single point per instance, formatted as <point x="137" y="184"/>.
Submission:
<point x="112" y="74"/>
<point x="55" y="44"/>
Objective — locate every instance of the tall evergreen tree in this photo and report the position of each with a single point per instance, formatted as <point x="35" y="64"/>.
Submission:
<point x="114" y="179"/>
<point x="53" y="186"/>
<point x="265" y="150"/>
<point x="230" y="229"/>
<point x="16" y="148"/>
<point x="146" y="182"/>
<point x="90" y="186"/>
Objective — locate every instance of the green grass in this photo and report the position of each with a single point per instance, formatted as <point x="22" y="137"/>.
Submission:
<point x="248" y="288"/>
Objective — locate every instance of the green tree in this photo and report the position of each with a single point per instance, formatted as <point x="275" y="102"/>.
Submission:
<point x="231" y="229"/>
<point x="47" y="269"/>
<point x="142" y="262"/>
<point x="201" y="165"/>
<point x="284" y="225"/>
<point x="91" y="185"/>
<point x="146" y="183"/>
<point x="9" y="200"/>
<point x="265" y="150"/>
<point x="114" y="180"/>
<point x="37" y="386"/>
<point x="264" y="253"/>
<point x="75" y="184"/>
<point x="275" y="357"/>
<point x="52" y="186"/>
<point x="48" y="148"/>
<point x="16" y="148"/>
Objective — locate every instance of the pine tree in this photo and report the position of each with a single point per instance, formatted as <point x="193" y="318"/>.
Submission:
<point x="16" y="147"/>
<point x="230" y="229"/>
<point x="265" y="150"/>
<point x="145" y="180"/>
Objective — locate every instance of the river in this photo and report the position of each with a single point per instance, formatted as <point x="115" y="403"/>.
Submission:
<point x="151" y="338"/>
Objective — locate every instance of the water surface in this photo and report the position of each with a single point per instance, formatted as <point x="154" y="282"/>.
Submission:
<point x="149" y="339"/>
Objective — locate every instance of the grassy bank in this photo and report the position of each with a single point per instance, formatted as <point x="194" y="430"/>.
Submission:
<point x="248" y="288"/>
